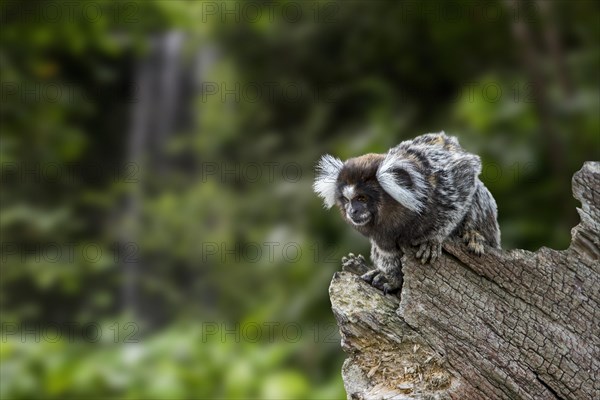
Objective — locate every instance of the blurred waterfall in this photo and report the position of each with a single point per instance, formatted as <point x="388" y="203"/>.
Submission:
<point x="165" y="87"/>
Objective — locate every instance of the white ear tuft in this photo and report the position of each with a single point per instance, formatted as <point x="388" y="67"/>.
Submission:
<point x="409" y="195"/>
<point x="328" y="170"/>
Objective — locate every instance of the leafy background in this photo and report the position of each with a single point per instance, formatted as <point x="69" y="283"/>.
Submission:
<point x="170" y="290"/>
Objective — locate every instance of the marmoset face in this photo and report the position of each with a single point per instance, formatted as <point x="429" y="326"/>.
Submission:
<point x="357" y="190"/>
<point x="372" y="195"/>
<point x="355" y="205"/>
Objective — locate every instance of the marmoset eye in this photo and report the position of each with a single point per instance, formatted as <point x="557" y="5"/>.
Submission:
<point x="361" y="198"/>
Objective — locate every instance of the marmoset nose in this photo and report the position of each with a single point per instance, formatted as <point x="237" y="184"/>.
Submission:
<point x="354" y="212"/>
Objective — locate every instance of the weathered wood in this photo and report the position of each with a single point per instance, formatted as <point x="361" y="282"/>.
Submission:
<point x="507" y="325"/>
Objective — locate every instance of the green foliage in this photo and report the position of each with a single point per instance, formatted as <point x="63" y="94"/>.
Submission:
<point x="181" y="361"/>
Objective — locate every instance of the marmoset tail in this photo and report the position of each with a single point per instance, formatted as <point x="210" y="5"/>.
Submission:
<point x="419" y="193"/>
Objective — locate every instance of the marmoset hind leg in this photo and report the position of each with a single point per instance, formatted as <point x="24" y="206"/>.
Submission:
<point x="480" y="226"/>
<point x="387" y="280"/>
<point x="387" y="275"/>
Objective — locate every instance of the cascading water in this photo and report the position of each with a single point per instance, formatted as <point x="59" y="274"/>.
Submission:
<point x="165" y="87"/>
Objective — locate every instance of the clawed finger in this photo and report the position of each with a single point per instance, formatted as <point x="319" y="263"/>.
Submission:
<point x="434" y="256"/>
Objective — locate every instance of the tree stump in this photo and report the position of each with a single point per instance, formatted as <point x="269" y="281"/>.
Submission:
<point x="507" y="325"/>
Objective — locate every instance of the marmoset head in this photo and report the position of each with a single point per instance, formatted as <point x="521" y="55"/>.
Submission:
<point x="371" y="190"/>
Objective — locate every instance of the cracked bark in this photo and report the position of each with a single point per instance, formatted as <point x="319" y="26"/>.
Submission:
<point x="507" y="325"/>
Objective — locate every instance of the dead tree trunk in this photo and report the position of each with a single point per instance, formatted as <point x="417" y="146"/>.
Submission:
<point x="507" y="325"/>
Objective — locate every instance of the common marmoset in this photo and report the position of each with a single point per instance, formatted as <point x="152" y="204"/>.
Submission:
<point x="419" y="193"/>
